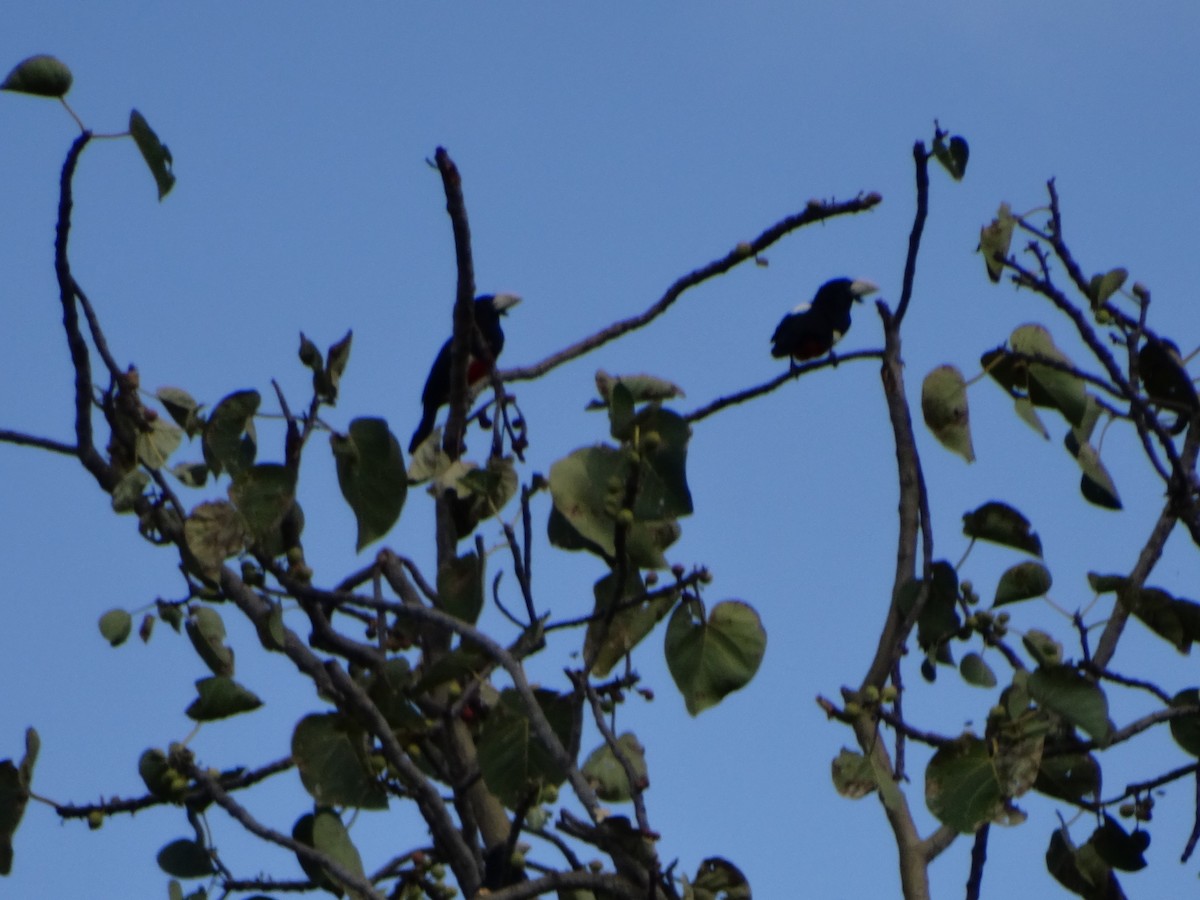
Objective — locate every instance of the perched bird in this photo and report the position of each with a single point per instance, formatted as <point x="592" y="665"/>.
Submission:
<point x="811" y="329"/>
<point x="488" y="310"/>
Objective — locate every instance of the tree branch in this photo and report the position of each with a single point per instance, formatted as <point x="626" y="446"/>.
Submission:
<point x="339" y="872"/>
<point x="816" y="211"/>
<point x="85" y="447"/>
<point x="31" y="440"/>
<point x="778" y="381"/>
<point x="464" y="305"/>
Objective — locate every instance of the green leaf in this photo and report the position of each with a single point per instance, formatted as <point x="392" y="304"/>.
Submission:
<point x="186" y="858"/>
<point x="613" y="634"/>
<point x="953" y="155"/>
<point x="155" y="446"/>
<point x="944" y="405"/>
<point x="1186" y="730"/>
<point x="390" y="690"/>
<point x="1081" y="870"/>
<point x="1001" y="524"/>
<point x="1174" y="620"/>
<point x="370" y="470"/>
<point x="620" y="411"/>
<point x="264" y="494"/>
<point x="640" y="388"/>
<point x="206" y="630"/>
<point x="146" y="628"/>
<point x="331" y="754"/>
<point x="15" y="781"/>
<point x="338" y="356"/>
<point x="1022" y="582"/>
<point x="1028" y="414"/>
<point x="512" y="760"/>
<point x="1097" y="485"/>
<point x="1068" y="776"/>
<point x="41" y="75"/>
<point x="221" y="698"/>
<point x="588" y="489"/>
<point x="161" y="780"/>
<point x="192" y="474"/>
<point x="330" y="836"/>
<point x="710" y="659"/>
<point x="460" y="587"/>
<point x="129" y="490"/>
<point x="977" y="672"/>
<point x="214" y="532"/>
<point x="1044" y="649"/>
<point x="309" y="355"/>
<point x="662" y="439"/>
<point x="961" y="786"/>
<point x="1101" y="287"/>
<point x="1013" y="375"/>
<point x="853" y="774"/>
<point x="1117" y="847"/>
<point x="302" y="831"/>
<point x="1050" y="386"/>
<point x="229" y="439"/>
<point x="478" y="493"/>
<point x="938" y="621"/>
<point x="116" y="626"/>
<point x="154" y="151"/>
<point x="994" y="241"/>
<point x="169" y="613"/>
<point x="1080" y="701"/>
<point x="605" y="773"/>
<point x="182" y="408"/>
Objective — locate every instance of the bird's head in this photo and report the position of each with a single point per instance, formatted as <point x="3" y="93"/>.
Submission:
<point x="861" y="287"/>
<point x="502" y="303"/>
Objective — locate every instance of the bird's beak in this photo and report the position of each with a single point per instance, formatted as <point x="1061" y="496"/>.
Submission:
<point x="860" y="288"/>
<point x="505" y="302"/>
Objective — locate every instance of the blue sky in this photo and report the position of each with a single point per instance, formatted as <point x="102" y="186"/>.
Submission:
<point x="605" y="152"/>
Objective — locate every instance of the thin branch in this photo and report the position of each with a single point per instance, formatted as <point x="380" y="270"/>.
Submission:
<point x="331" y="680"/>
<point x="913" y="515"/>
<point x="816" y="211"/>
<point x="941" y="839"/>
<point x="31" y="440"/>
<point x="921" y="160"/>
<point x="929" y="738"/>
<point x="1195" y="834"/>
<point x="336" y="870"/>
<point x="778" y="381"/>
<point x="600" y="883"/>
<point x="85" y="447"/>
<point x="978" y="859"/>
<point x="1136" y="727"/>
<point x="637" y="783"/>
<point x="464" y="301"/>
<point x="1146" y="560"/>
<point x="1125" y="680"/>
<point x="506" y="660"/>
<point x="98" y="338"/>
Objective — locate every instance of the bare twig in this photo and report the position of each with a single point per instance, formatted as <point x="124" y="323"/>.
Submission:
<point x="978" y="859"/>
<point x="31" y="440"/>
<point x="85" y="447"/>
<point x="816" y="211"/>
<point x="778" y="381"/>
<point x="464" y="311"/>
<point x="336" y="870"/>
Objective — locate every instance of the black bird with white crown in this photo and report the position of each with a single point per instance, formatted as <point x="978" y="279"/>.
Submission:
<point x="487" y="340"/>
<point x="811" y="329"/>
